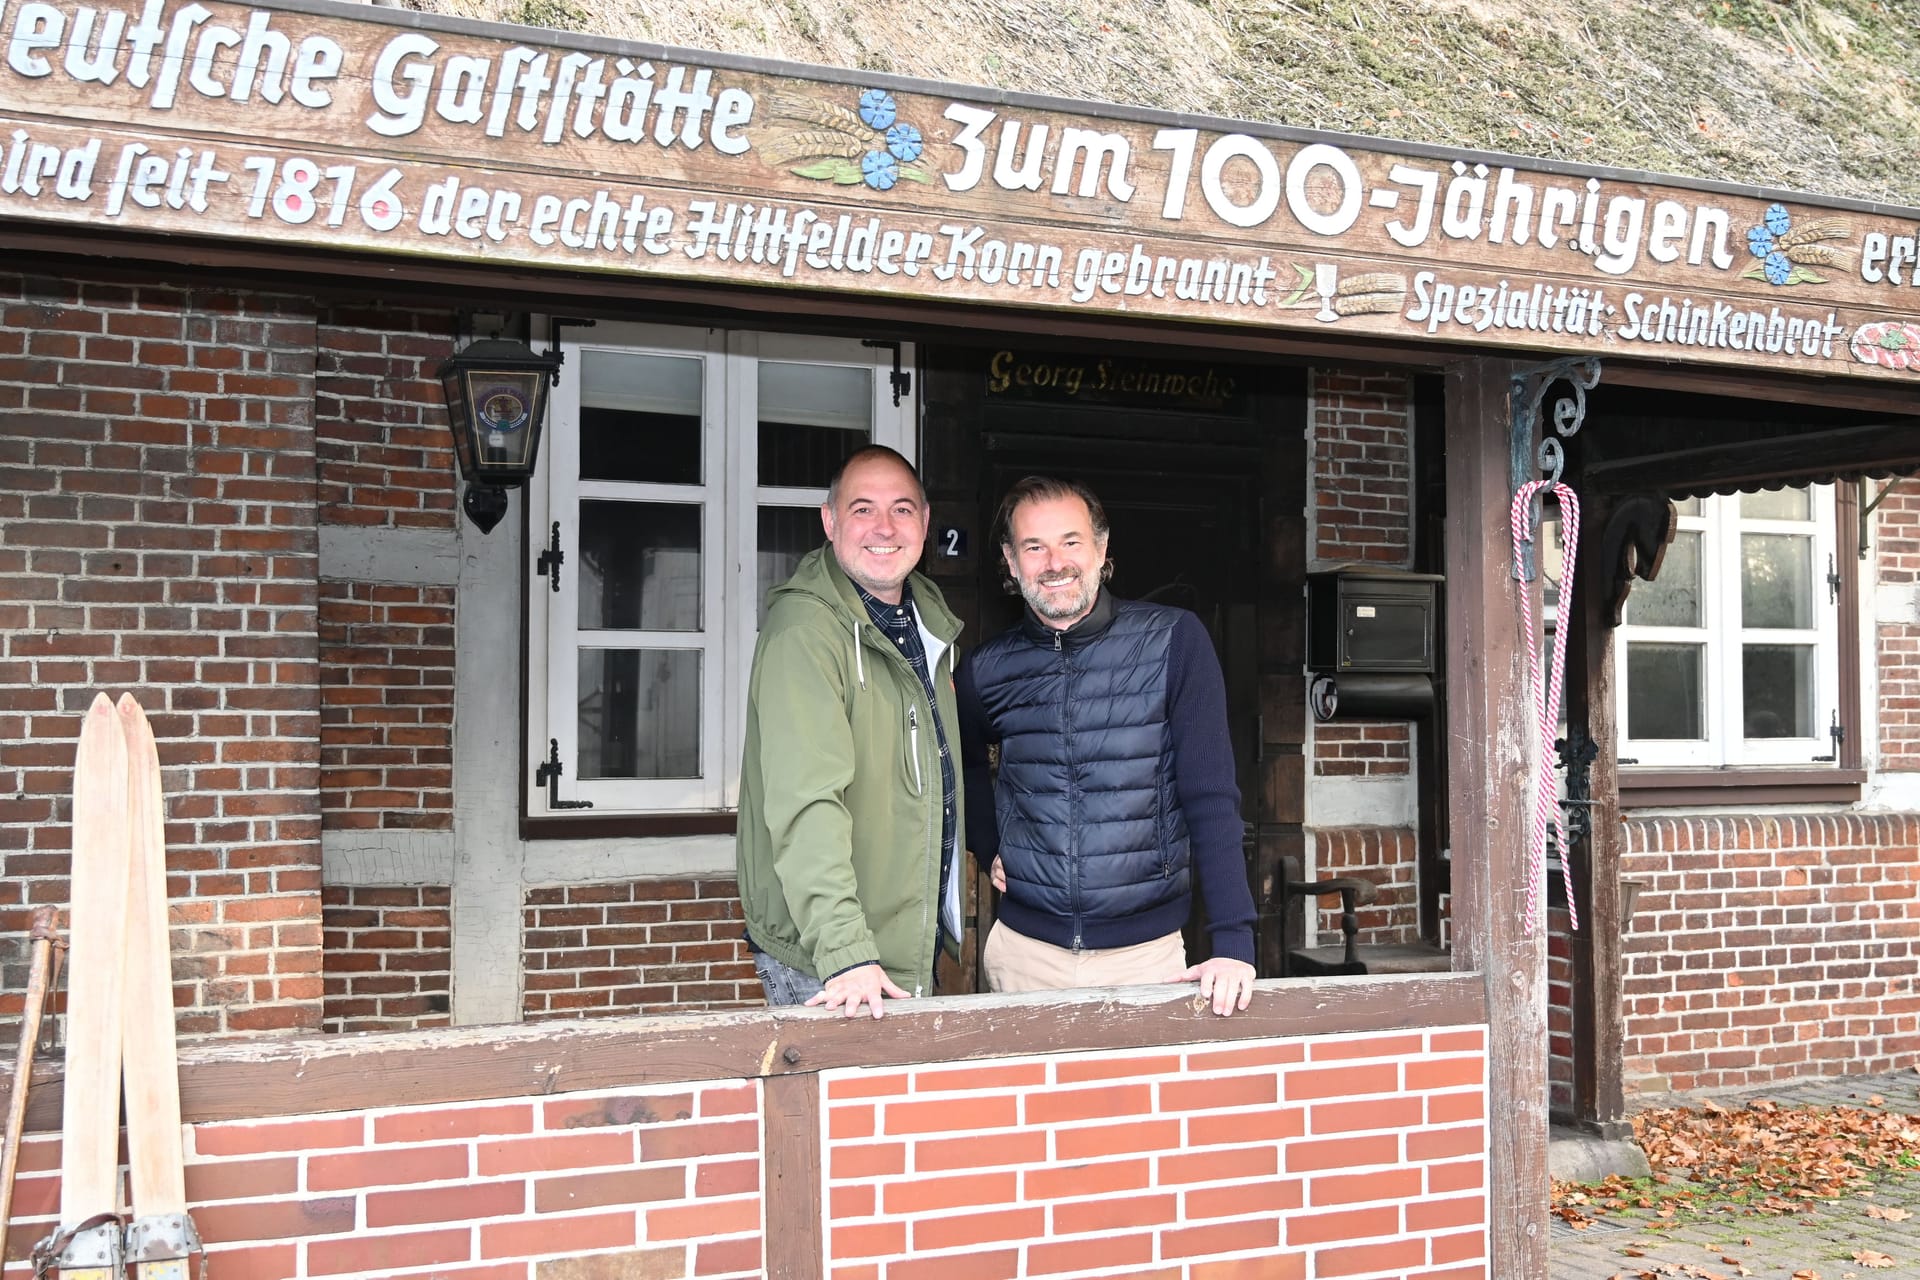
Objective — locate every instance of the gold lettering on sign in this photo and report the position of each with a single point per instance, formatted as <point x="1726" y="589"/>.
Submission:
<point x="1009" y="374"/>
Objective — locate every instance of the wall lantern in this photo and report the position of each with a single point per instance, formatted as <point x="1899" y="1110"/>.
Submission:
<point x="497" y="401"/>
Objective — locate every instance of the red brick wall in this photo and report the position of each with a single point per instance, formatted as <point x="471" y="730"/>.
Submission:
<point x="385" y="461"/>
<point x="389" y="957"/>
<point x="386" y="457"/>
<point x="1771" y="947"/>
<point x="1897" y="644"/>
<point x="1363" y="513"/>
<point x="1388" y="857"/>
<point x="639" y="946"/>
<point x="1363" y="468"/>
<point x="1362" y="749"/>
<point x="1559" y="1012"/>
<point x="157" y="535"/>
<point x="386" y="706"/>
<point x="1280" y="1158"/>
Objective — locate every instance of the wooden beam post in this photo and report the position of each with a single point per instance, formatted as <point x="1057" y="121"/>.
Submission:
<point x="795" y="1238"/>
<point x="1599" y="1027"/>
<point x="1490" y="748"/>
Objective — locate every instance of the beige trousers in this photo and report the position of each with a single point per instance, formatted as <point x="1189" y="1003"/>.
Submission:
<point x="1015" y="962"/>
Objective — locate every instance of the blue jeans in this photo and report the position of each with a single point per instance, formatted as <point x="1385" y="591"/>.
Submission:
<point x="785" y="984"/>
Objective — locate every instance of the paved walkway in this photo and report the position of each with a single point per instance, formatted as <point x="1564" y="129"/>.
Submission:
<point x="1732" y="1243"/>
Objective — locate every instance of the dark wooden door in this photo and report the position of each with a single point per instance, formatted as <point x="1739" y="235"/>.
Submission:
<point x="1184" y="521"/>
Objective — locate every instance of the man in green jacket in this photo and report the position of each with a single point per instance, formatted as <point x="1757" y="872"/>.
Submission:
<point x="849" y="826"/>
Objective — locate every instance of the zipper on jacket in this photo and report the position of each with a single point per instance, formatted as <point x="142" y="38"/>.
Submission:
<point x="1073" y="796"/>
<point x="929" y="912"/>
<point x="913" y="746"/>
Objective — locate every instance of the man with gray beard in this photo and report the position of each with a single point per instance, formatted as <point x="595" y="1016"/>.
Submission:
<point x="1115" y="791"/>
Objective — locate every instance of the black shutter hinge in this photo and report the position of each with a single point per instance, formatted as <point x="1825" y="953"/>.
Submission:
<point x="900" y="380"/>
<point x="1837" y="732"/>
<point x="548" y="775"/>
<point x="550" y="560"/>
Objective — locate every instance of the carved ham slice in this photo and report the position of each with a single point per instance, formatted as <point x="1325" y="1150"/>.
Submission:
<point x="1894" y="344"/>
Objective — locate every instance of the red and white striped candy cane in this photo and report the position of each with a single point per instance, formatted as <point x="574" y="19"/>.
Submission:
<point x="1546" y="809"/>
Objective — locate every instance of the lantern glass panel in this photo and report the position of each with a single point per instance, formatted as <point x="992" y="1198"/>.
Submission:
<point x="454" y="380"/>
<point x="506" y="417"/>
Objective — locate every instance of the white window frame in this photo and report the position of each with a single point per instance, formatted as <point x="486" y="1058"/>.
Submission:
<point x="731" y="499"/>
<point x="1721" y="636"/>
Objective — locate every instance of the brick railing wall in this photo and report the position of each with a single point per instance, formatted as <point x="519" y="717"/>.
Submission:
<point x="1897" y="644"/>
<point x="158" y="536"/>
<point x="1388" y="857"/>
<point x="386" y="706"/>
<point x="1362" y="514"/>
<point x="638" y="1183"/>
<point x="638" y="946"/>
<point x="1769" y="947"/>
<point x="1289" y="1158"/>
<point x="389" y="957"/>
<point x="1142" y="1143"/>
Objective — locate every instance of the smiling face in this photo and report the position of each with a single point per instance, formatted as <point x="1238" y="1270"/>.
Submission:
<point x="1055" y="558"/>
<point x="877" y="523"/>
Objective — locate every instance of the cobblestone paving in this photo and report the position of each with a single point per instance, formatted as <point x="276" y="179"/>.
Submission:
<point x="1719" y="1241"/>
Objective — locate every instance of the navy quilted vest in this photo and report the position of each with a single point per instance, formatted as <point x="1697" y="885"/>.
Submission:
<point x="1090" y="824"/>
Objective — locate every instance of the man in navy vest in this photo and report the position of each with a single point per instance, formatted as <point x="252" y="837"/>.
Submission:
<point x="1115" y="793"/>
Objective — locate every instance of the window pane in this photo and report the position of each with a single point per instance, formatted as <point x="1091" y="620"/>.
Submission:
<point x="811" y="417"/>
<point x="639" y="713"/>
<point x="785" y="534"/>
<point x="1664" y="697"/>
<point x="1776" y="580"/>
<point x="1781" y="504"/>
<point x="639" y="566"/>
<point x="1686" y="506"/>
<point x="1672" y="599"/>
<point x="1776" y="686"/>
<point x="640" y="417"/>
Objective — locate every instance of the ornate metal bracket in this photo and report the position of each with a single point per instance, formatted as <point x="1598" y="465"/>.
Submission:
<point x="548" y="776"/>
<point x="1527" y="459"/>
<point x="1577" y="753"/>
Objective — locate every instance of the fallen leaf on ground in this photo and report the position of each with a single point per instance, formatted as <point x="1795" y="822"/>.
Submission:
<point x="1764" y="1157"/>
<point x="1871" y="1258"/>
<point x="1887" y="1215"/>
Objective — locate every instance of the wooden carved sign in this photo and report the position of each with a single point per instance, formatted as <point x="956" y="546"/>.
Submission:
<point x="395" y="132"/>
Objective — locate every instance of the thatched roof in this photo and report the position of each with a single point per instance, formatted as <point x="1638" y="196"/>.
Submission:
<point x="1813" y="95"/>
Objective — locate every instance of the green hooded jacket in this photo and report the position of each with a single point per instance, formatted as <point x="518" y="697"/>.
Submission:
<point x="838" y="850"/>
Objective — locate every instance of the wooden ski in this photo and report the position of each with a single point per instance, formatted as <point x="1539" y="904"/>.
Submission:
<point x="161" y="1238"/>
<point x="88" y="1243"/>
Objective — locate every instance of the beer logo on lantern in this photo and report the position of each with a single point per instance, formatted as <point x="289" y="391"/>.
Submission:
<point x="503" y="409"/>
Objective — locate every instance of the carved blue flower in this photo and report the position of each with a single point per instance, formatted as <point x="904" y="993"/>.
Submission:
<point x="1759" y="241"/>
<point x="879" y="170"/>
<point x="904" y="141"/>
<point x="1779" y="221"/>
<point x="877" y="108"/>
<point x="1777" y="267"/>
